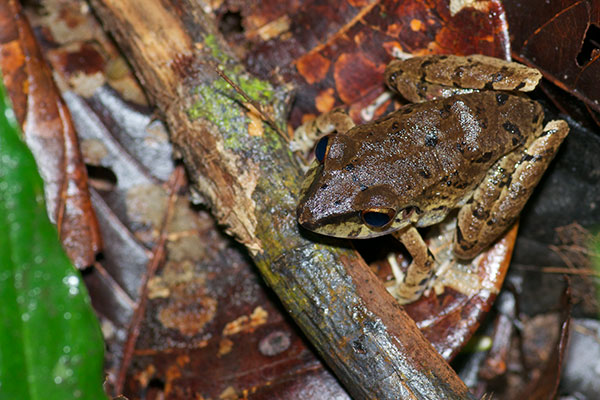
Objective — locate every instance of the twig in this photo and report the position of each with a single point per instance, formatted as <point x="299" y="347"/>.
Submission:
<point x="158" y="256"/>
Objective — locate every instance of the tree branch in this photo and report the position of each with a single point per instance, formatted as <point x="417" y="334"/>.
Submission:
<point x="247" y="175"/>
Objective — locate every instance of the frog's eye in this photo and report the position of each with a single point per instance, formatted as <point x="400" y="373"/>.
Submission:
<point x="322" y="148"/>
<point x="377" y="217"/>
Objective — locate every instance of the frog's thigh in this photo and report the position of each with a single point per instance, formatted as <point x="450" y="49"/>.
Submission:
<point x="500" y="198"/>
<point x="435" y="76"/>
<point x="305" y="136"/>
<point x="420" y="270"/>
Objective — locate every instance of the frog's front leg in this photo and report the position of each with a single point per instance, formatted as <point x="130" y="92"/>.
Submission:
<point x="500" y="197"/>
<point x="420" y="270"/>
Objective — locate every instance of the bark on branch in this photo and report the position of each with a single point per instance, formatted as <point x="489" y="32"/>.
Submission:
<point x="247" y="175"/>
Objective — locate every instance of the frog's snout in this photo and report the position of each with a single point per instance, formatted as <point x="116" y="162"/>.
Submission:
<point x="305" y="216"/>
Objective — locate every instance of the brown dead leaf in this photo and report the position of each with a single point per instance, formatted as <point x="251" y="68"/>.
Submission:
<point x="561" y="39"/>
<point x="49" y="132"/>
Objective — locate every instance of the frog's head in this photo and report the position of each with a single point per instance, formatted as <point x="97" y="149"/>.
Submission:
<point x="344" y="196"/>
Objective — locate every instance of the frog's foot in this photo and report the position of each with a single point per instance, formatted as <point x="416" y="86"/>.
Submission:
<point x="499" y="199"/>
<point x="307" y="134"/>
<point x="411" y="286"/>
<point x="431" y="77"/>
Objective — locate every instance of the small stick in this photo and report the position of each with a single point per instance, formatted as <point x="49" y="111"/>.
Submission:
<point x="176" y="181"/>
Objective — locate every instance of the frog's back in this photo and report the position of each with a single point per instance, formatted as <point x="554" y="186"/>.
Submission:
<point x="444" y="147"/>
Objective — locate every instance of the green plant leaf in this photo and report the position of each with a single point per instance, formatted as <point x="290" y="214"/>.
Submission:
<point x="50" y="343"/>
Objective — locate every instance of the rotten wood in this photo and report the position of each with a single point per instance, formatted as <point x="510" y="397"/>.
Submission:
<point x="245" y="172"/>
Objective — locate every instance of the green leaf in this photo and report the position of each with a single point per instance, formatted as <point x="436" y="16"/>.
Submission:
<point x="50" y="342"/>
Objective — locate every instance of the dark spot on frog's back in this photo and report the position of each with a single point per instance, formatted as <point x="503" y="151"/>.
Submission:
<point x="501" y="98"/>
<point x="511" y="128"/>
<point x="499" y="76"/>
<point x="431" y="140"/>
<point x="427" y="62"/>
<point x="425" y="173"/>
<point x="458" y="72"/>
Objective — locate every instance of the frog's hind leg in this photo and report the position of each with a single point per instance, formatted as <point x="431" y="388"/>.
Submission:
<point x="499" y="199"/>
<point x="306" y="135"/>
<point x="431" y="77"/>
<point x="419" y="272"/>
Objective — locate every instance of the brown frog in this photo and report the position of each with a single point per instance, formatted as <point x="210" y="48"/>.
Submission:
<point x="470" y="142"/>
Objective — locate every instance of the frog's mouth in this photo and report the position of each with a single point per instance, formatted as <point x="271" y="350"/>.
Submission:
<point x="352" y="227"/>
<point x="345" y="225"/>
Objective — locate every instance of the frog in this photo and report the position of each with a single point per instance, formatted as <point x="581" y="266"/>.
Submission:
<point x="470" y="140"/>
